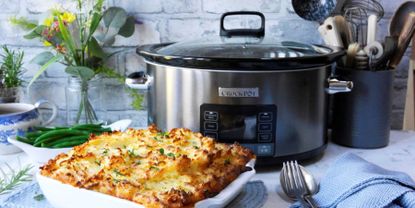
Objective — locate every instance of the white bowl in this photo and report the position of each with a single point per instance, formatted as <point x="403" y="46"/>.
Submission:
<point x="39" y="155"/>
<point x="42" y="155"/>
<point x="57" y="194"/>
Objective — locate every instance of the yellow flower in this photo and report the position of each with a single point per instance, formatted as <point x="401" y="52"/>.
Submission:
<point x="48" y="21"/>
<point x="67" y="17"/>
<point x="47" y="43"/>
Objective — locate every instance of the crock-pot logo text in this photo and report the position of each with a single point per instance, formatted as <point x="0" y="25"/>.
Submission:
<point x="238" y="92"/>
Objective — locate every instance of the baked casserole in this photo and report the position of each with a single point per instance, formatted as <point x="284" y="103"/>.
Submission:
<point x="150" y="167"/>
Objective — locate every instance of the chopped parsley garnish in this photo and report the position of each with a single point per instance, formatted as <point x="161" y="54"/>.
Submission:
<point x="160" y="136"/>
<point x="161" y="150"/>
<point x="163" y="134"/>
<point x="154" y="168"/>
<point x="97" y="162"/>
<point x="105" y="152"/>
<point x="131" y="153"/>
<point x="138" y="162"/>
<point x="227" y="161"/>
<point x="170" y="154"/>
<point x="118" y="173"/>
<point x="196" y="147"/>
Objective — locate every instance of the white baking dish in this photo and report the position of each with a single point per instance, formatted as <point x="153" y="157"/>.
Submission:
<point x="66" y="196"/>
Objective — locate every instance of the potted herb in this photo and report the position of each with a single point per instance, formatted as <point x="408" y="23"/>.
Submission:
<point x="10" y="74"/>
<point x="78" y="41"/>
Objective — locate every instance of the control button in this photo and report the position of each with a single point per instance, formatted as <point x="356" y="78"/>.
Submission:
<point x="265" y="150"/>
<point x="265" y="127"/>
<point x="212" y="135"/>
<point x="211" y="126"/>
<point x="265" y="137"/>
<point x="211" y="116"/>
<point x="265" y="116"/>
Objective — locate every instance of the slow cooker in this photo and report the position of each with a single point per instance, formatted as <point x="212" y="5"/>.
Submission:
<point x="241" y="86"/>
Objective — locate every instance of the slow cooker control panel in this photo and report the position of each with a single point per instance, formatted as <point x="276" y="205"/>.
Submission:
<point x="253" y="126"/>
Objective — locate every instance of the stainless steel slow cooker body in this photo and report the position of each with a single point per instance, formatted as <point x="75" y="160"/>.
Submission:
<point x="284" y="93"/>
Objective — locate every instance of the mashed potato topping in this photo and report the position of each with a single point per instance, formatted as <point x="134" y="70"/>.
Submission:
<point x="150" y="167"/>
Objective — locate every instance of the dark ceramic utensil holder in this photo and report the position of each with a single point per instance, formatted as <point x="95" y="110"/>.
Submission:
<point x="361" y="118"/>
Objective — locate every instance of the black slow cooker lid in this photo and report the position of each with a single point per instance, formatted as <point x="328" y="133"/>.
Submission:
<point x="241" y="49"/>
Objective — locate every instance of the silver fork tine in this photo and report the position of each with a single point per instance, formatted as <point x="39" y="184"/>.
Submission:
<point x="309" y="199"/>
<point x="298" y="176"/>
<point x="295" y="177"/>
<point x="291" y="178"/>
<point x="283" y="172"/>
<point x="297" y="185"/>
<point x="288" y="178"/>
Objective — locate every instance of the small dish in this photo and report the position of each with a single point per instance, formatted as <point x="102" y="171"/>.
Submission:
<point x="42" y="155"/>
<point x="57" y="194"/>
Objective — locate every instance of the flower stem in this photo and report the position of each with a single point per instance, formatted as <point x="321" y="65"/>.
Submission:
<point x="86" y="109"/>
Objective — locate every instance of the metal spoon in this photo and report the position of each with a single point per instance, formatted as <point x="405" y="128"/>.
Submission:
<point x="312" y="186"/>
<point x="314" y="10"/>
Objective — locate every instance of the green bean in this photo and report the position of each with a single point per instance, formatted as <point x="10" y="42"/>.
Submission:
<point x="68" y="144"/>
<point x="41" y="128"/>
<point x="66" y="139"/>
<point x="87" y="126"/>
<point x="96" y="131"/>
<point x="52" y="135"/>
<point x="24" y="139"/>
<point x="63" y="136"/>
<point x="34" y="134"/>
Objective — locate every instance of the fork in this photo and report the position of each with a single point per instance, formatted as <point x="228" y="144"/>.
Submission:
<point x="300" y="185"/>
<point x="290" y="182"/>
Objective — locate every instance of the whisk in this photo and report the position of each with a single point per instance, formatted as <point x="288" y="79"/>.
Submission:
<point x="357" y="18"/>
<point x="369" y="6"/>
<point x="357" y="12"/>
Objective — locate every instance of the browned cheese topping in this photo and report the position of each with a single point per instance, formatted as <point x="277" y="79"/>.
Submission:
<point x="152" y="168"/>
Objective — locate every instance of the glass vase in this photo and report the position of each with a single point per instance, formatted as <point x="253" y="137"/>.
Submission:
<point x="84" y="101"/>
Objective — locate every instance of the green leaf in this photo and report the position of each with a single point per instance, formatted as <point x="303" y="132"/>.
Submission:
<point x="95" y="49"/>
<point x="128" y="28"/>
<point x="82" y="72"/>
<point x="96" y="18"/>
<point x="11" y="69"/>
<point x="67" y="38"/>
<point x="43" y="68"/>
<point x="35" y="33"/>
<point x="23" y="23"/>
<point x="42" y="58"/>
<point x="115" y="17"/>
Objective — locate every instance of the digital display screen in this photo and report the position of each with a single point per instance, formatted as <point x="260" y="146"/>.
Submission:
<point x="237" y="127"/>
<point x="246" y="124"/>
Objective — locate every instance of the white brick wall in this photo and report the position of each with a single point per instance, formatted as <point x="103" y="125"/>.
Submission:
<point x="219" y="6"/>
<point x="167" y="20"/>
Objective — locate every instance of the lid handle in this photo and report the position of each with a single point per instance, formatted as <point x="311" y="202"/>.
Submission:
<point x="260" y="32"/>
